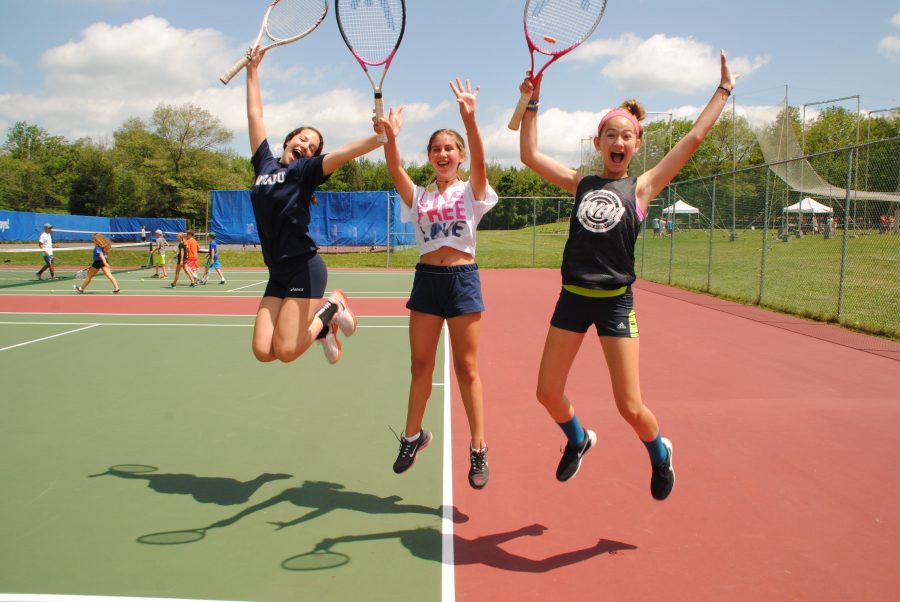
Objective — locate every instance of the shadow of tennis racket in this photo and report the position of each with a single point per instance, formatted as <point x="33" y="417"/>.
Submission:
<point x="127" y="469"/>
<point x="317" y="560"/>
<point x="173" y="538"/>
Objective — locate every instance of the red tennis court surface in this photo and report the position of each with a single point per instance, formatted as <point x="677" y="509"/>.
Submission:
<point x="784" y="451"/>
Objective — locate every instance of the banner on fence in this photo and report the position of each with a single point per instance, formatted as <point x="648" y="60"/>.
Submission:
<point x="339" y="219"/>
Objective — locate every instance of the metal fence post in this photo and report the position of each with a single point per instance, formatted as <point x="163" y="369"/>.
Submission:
<point x="388" y="242"/>
<point x="712" y="229"/>
<point x="673" y="193"/>
<point x="840" y="307"/>
<point x="765" y="246"/>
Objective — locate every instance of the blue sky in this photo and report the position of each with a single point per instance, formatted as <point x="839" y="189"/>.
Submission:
<point x="97" y="62"/>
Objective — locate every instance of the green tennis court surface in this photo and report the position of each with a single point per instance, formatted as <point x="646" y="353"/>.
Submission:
<point x="151" y="456"/>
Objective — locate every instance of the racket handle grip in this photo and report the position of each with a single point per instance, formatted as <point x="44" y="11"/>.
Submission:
<point x="234" y="70"/>
<point x="379" y="114"/>
<point x="519" y="112"/>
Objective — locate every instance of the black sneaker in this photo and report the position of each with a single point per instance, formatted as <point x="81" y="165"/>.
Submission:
<point x="408" y="450"/>
<point x="479" y="472"/>
<point x="663" y="479"/>
<point x="571" y="459"/>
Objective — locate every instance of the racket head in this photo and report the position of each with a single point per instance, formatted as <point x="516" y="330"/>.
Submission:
<point x="172" y="538"/>
<point x="555" y="27"/>
<point x="289" y="20"/>
<point x="81" y="274"/>
<point x="372" y="30"/>
<point x="316" y="560"/>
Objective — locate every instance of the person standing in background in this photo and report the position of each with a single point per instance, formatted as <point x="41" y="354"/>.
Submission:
<point x="45" y="243"/>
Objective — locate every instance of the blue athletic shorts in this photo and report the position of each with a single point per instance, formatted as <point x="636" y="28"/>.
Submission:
<point x="214" y="265"/>
<point x="612" y="316"/>
<point x="48" y="259"/>
<point x="302" y="277"/>
<point x="446" y="291"/>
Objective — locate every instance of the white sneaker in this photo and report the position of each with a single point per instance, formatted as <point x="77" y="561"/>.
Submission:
<point x="344" y="318"/>
<point x="331" y="346"/>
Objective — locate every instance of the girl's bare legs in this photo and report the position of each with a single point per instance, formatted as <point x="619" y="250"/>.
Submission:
<point x="560" y="348"/>
<point x="465" y="331"/>
<point x="622" y="361"/>
<point x="285" y="328"/>
<point x="424" y="334"/>
<point x="108" y="273"/>
<point x="87" y="279"/>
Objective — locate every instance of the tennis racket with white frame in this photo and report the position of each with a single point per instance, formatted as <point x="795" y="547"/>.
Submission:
<point x="285" y="21"/>
<point x="555" y="28"/>
<point x="372" y="30"/>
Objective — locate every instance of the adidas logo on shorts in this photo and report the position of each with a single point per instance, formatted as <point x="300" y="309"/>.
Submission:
<point x="621" y="326"/>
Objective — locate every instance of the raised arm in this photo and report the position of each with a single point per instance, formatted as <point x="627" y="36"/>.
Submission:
<point x="334" y="160"/>
<point x="543" y="165"/>
<point x="651" y="182"/>
<point x="391" y="126"/>
<point x="254" y="100"/>
<point x="467" y="98"/>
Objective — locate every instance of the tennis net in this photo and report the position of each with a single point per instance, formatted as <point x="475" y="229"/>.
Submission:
<point x="19" y="264"/>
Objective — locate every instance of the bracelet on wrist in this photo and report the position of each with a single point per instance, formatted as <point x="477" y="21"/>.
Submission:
<point x="532" y="108"/>
<point x="534" y="103"/>
<point x="727" y="91"/>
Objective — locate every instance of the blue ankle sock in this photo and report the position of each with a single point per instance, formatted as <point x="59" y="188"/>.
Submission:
<point x="574" y="432"/>
<point x="656" y="449"/>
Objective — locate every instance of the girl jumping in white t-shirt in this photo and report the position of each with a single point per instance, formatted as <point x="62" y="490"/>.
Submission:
<point x="447" y="285"/>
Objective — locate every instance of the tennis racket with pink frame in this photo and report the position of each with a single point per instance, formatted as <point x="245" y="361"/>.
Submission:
<point x="555" y="28"/>
<point x="372" y="30"/>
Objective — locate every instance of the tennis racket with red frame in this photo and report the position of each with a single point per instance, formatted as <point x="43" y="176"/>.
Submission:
<point x="555" y="28"/>
<point x="372" y="30"/>
<point x="285" y="21"/>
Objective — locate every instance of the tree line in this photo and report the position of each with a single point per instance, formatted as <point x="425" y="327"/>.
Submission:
<point x="165" y="166"/>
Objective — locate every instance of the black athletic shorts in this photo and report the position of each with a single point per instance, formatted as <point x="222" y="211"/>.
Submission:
<point x="612" y="316"/>
<point x="302" y="277"/>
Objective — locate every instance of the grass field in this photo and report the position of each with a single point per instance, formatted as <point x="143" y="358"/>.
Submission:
<point x="802" y="277"/>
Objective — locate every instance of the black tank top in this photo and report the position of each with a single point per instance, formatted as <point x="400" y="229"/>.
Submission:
<point x="599" y="252"/>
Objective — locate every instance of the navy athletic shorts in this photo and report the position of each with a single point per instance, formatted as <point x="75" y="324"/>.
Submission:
<point x="302" y="277"/>
<point x="612" y="316"/>
<point x="446" y="291"/>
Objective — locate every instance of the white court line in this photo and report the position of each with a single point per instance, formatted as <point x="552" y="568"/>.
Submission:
<point x="71" y="313"/>
<point x="448" y="578"/>
<point x="240" y="288"/>
<point x="53" y="336"/>
<point x="187" y="324"/>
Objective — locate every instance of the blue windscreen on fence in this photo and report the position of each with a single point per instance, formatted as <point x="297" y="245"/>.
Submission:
<point x="341" y="219"/>
<point x="19" y="226"/>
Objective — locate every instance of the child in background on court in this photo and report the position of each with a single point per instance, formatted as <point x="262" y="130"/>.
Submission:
<point x="159" y="255"/>
<point x="181" y="261"/>
<point x="212" y="261"/>
<point x="598" y="270"/>
<point x="45" y="244"/>
<point x="100" y="263"/>
<point x="292" y="314"/>
<point x="193" y="253"/>
<point x="447" y="286"/>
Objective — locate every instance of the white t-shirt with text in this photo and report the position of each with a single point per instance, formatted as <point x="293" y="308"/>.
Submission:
<point x="449" y="219"/>
<point x="46" y="243"/>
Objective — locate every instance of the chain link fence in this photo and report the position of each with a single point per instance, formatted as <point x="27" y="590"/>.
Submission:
<point x="748" y="237"/>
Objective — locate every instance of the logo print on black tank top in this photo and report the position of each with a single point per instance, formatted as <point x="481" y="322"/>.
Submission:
<point x="600" y="211"/>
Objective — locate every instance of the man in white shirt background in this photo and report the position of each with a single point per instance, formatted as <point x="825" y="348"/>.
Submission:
<point x="45" y="243"/>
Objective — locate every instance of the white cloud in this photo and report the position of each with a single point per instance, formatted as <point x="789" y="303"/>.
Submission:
<point x="890" y="45"/>
<point x="661" y="63"/>
<point x="6" y="61"/>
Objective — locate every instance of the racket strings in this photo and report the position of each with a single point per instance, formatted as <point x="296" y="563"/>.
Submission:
<point x="372" y="27"/>
<point x="293" y="18"/>
<point x="554" y="26"/>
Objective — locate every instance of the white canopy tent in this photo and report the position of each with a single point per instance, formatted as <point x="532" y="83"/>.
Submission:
<point x="681" y="208"/>
<point x="808" y="205"/>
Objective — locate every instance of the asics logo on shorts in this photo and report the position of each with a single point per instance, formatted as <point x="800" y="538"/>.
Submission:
<point x="600" y="211"/>
<point x="298" y="290"/>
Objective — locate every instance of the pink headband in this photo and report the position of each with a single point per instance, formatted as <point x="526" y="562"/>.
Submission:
<point x="620" y="113"/>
